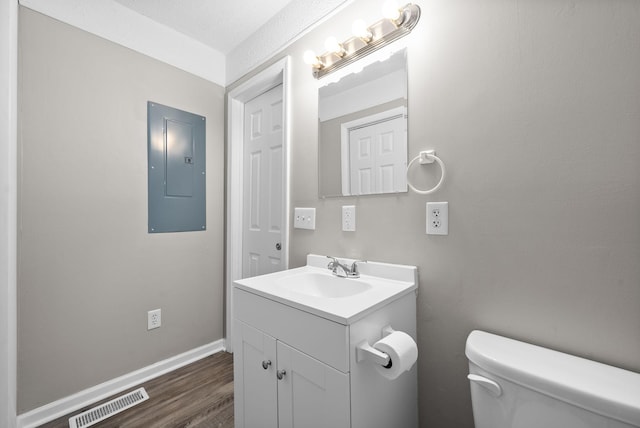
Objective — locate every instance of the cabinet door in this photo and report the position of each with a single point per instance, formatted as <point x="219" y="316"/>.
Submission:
<point x="254" y="367"/>
<point x="311" y="394"/>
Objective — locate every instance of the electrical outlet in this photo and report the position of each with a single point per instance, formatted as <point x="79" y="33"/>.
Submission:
<point x="304" y="218"/>
<point x="437" y="218"/>
<point x="348" y="218"/>
<point x="154" y="319"/>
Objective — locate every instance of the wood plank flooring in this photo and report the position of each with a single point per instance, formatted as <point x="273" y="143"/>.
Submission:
<point x="199" y="395"/>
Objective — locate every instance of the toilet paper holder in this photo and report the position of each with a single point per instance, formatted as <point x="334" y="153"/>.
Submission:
<point x="366" y="352"/>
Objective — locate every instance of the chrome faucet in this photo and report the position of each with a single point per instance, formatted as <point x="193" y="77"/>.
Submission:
<point x="342" y="270"/>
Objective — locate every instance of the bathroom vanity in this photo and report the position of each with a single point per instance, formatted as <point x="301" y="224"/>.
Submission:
<point x="297" y="336"/>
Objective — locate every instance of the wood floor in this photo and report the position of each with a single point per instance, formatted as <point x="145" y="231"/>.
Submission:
<point x="199" y="395"/>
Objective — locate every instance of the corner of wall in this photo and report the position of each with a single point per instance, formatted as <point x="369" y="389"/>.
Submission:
<point x="8" y="204"/>
<point x="119" y="24"/>
<point x="298" y="18"/>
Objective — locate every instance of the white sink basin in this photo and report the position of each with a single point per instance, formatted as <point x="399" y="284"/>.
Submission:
<point x="314" y="289"/>
<point x="322" y="285"/>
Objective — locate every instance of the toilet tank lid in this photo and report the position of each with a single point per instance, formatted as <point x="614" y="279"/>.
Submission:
<point x="606" y="390"/>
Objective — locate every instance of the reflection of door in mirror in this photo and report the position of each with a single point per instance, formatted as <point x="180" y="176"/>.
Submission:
<point x="362" y="127"/>
<point x="374" y="154"/>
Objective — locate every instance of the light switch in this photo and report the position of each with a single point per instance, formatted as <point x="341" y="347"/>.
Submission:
<point x="304" y="218"/>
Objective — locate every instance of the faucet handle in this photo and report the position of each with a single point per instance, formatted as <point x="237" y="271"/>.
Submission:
<point x="354" y="265"/>
<point x="332" y="263"/>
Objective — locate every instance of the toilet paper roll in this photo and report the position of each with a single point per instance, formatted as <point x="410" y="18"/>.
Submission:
<point x="403" y="351"/>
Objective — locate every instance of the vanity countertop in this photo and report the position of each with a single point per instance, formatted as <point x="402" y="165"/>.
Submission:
<point x="379" y="284"/>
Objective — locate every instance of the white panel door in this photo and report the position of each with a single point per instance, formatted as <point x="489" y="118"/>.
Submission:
<point x="263" y="188"/>
<point x="256" y="393"/>
<point x="362" y="161"/>
<point x="311" y="394"/>
<point x="378" y="157"/>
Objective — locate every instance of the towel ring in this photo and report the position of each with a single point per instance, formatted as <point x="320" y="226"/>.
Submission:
<point x="425" y="157"/>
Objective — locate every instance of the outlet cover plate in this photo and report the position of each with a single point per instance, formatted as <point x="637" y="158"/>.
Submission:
<point x="154" y="319"/>
<point x="437" y="218"/>
<point x="348" y="218"/>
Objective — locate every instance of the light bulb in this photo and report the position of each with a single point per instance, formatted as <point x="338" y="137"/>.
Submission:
<point x="360" y="30"/>
<point x="311" y="58"/>
<point x="391" y="10"/>
<point x="332" y="45"/>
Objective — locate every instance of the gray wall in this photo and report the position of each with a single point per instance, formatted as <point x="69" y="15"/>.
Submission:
<point x="534" y="106"/>
<point x="88" y="269"/>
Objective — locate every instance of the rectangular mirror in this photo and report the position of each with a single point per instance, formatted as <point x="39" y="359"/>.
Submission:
<point x="362" y="129"/>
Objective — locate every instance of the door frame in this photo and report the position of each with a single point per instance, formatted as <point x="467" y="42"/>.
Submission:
<point x="269" y="78"/>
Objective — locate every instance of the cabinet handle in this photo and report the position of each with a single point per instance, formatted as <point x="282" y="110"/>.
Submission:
<point x="266" y="364"/>
<point x="280" y="374"/>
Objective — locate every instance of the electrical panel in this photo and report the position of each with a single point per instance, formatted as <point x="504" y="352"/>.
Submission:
<point x="176" y="169"/>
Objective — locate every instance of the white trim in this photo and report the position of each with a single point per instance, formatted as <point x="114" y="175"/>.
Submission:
<point x="99" y="392"/>
<point x="263" y="81"/>
<point x="8" y="209"/>
<point x="113" y="21"/>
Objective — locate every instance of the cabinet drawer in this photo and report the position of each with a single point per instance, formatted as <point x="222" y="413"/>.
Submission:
<point x="320" y="338"/>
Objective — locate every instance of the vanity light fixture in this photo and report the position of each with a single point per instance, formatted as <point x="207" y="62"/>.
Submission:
<point x="397" y="23"/>
<point x="360" y="30"/>
<point x="333" y="46"/>
<point x="313" y="60"/>
<point x="392" y="11"/>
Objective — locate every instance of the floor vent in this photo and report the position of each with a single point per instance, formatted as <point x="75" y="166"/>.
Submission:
<point x="113" y="407"/>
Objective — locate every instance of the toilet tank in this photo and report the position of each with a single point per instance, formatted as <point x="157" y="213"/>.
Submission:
<point x="519" y="385"/>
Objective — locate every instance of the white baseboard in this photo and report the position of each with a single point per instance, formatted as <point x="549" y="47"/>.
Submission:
<point x="66" y="405"/>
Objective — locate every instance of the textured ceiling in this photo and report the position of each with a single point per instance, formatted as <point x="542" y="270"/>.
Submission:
<point x="220" y="24"/>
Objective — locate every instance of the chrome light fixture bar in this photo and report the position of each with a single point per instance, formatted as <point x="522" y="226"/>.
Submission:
<point x="398" y="22"/>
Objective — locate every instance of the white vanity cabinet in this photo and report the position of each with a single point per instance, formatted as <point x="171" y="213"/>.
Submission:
<point x="296" y="361"/>
<point x="256" y="391"/>
<point x="283" y="387"/>
<point x="276" y="384"/>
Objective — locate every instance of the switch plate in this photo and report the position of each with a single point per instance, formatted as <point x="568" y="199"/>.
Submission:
<point x="154" y="319"/>
<point x="437" y="218"/>
<point x="348" y="218"/>
<point x="304" y="218"/>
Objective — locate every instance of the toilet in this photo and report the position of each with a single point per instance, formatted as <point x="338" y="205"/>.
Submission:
<point x="519" y="385"/>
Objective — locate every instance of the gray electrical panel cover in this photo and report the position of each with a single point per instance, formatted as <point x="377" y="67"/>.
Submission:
<point x="176" y="169"/>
